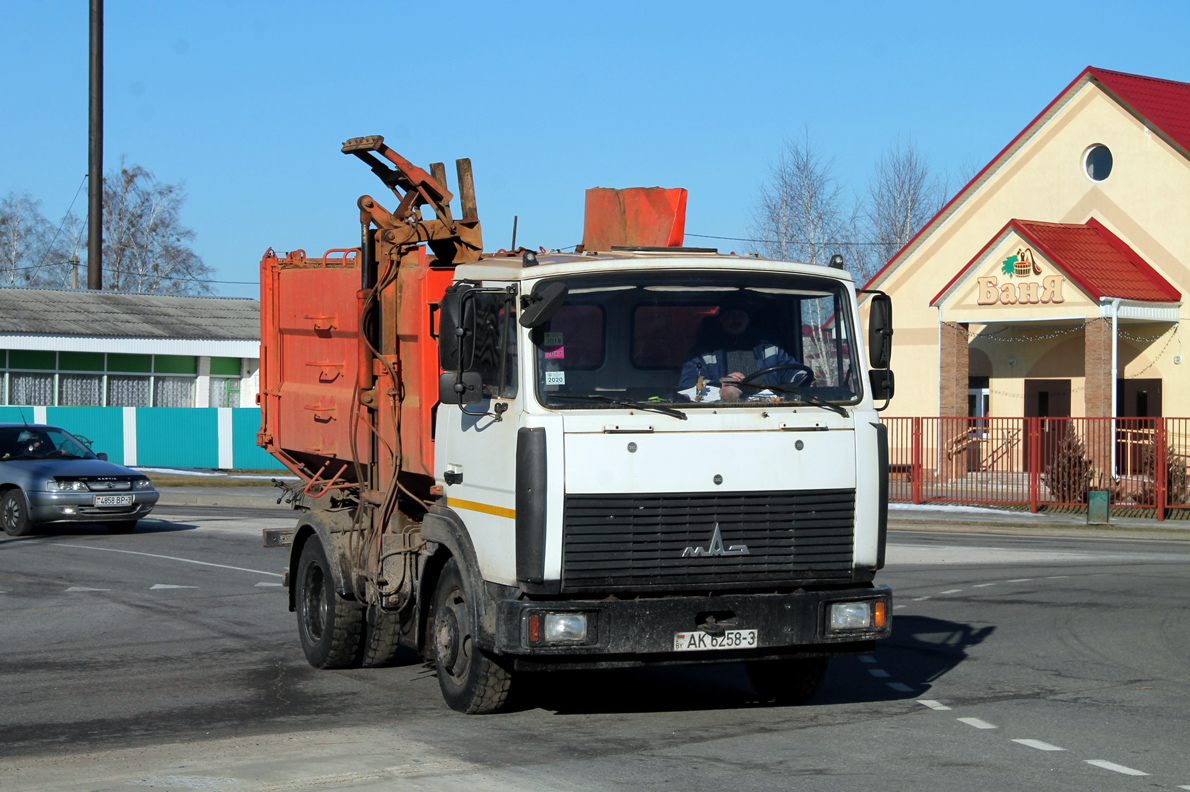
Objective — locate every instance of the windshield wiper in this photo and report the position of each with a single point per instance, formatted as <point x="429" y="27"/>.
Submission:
<point x="800" y="396"/>
<point x="620" y="403"/>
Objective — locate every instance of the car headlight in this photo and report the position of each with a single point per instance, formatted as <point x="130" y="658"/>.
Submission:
<point x="142" y="484"/>
<point x="66" y="486"/>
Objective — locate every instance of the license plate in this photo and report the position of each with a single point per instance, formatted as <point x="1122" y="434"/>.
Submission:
<point x="113" y="500"/>
<point x="700" y="641"/>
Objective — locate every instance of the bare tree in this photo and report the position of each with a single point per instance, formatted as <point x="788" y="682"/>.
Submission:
<point x="800" y="215"/>
<point x="902" y="197"/>
<point x="145" y="246"/>
<point x="24" y="235"/>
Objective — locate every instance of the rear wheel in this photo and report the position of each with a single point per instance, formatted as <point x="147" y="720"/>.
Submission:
<point x="787" y="682"/>
<point x="472" y="680"/>
<point x="14" y="514"/>
<point x="330" y="626"/>
<point x="382" y="632"/>
<point x="122" y="527"/>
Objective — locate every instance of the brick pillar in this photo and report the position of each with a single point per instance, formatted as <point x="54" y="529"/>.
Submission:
<point x="1097" y="436"/>
<point x="952" y="401"/>
<point x="1098" y="368"/>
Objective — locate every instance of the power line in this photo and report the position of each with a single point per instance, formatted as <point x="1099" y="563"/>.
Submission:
<point x="776" y="241"/>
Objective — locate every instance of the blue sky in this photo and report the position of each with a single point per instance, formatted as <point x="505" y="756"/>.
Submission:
<point x="248" y="102"/>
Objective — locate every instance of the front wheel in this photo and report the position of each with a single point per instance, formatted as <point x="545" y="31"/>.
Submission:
<point x="472" y="680"/>
<point x="14" y="514"/>
<point x="330" y="626"/>
<point x="787" y="682"/>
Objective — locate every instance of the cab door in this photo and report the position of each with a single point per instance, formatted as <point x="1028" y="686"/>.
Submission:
<point x="476" y="443"/>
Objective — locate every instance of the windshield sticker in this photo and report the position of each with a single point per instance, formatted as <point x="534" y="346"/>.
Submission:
<point x="555" y="378"/>
<point x="553" y="347"/>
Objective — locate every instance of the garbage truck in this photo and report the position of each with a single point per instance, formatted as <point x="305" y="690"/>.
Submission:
<point x="632" y="454"/>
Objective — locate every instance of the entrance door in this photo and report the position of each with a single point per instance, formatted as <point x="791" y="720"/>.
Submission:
<point x="1046" y="399"/>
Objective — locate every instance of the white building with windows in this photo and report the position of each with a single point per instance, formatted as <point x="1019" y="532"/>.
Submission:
<point x="67" y="348"/>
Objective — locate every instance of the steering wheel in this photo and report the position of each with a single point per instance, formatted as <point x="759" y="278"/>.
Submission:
<point x="809" y="380"/>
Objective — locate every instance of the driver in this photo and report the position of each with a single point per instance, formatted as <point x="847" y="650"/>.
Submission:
<point x="30" y="443"/>
<point x="732" y="350"/>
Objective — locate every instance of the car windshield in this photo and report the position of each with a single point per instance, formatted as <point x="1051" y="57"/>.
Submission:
<point x="40" y="442"/>
<point x="694" y="340"/>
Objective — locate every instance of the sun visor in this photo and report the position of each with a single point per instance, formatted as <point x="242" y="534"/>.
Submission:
<point x="634" y="217"/>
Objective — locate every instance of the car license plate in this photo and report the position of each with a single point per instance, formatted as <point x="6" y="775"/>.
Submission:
<point x="699" y="641"/>
<point x="113" y="500"/>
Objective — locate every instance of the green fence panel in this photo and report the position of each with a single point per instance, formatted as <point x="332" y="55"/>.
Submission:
<point x="177" y="437"/>
<point x="103" y="426"/>
<point x="246" y="454"/>
<point x="16" y="415"/>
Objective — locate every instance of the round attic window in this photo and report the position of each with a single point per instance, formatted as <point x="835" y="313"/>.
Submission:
<point x="1098" y="161"/>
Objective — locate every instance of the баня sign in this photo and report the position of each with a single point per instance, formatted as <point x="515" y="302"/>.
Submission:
<point x="1046" y="289"/>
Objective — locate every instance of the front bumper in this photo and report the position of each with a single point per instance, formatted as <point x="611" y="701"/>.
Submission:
<point x="623" y="633"/>
<point x="79" y="507"/>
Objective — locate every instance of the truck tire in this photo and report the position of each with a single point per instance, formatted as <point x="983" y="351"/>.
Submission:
<point x="330" y="626"/>
<point x="787" y="682"/>
<point x="472" y="680"/>
<point x="14" y="515"/>
<point x="382" y="632"/>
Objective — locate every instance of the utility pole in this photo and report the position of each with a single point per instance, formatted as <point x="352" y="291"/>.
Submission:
<point x="74" y="260"/>
<point x="95" y="155"/>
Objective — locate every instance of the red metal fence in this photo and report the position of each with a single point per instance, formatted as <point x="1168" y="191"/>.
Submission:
<point x="1140" y="462"/>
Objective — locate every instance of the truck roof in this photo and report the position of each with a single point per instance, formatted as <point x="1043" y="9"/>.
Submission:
<point x="510" y="267"/>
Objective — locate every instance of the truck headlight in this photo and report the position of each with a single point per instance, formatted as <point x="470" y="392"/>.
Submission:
<point x="565" y="627"/>
<point x="858" y="615"/>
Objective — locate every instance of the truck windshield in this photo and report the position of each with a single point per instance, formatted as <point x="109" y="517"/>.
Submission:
<point x="693" y="339"/>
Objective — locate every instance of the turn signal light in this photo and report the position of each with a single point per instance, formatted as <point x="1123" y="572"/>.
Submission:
<point x="879" y="614"/>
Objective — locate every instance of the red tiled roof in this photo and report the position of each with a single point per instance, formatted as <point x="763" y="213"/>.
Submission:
<point x="1165" y="103"/>
<point x="1093" y="257"/>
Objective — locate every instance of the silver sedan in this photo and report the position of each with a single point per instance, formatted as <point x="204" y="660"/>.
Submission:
<point x="48" y="475"/>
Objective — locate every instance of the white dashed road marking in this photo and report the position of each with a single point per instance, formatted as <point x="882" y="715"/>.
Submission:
<point x="258" y="585"/>
<point x="934" y="705"/>
<point x="977" y="723"/>
<point x="983" y="585"/>
<point x="81" y="588"/>
<point x="899" y="687"/>
<point x="950" y="591"/>
<point x="173" y="558"/>
<point x="920" y="599"/>
<point x="1020" y="580"/>
<point x="1039" y="745"/>
<point x="878" y="672"/>
<point x="156" y="586"/>
<point x="1115" y="768"/>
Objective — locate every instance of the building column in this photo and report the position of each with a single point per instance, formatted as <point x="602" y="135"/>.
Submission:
<point x="952" y="375"/>
<point x="1098" y="392"/>
<point x="1098" y="397"/>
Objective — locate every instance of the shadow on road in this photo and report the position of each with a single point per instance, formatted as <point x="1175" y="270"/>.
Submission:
<point x="150" y="526"/>
<point x="920" y="651"/>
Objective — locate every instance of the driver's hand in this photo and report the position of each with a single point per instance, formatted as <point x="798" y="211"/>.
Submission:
<point x="729" y="389"/>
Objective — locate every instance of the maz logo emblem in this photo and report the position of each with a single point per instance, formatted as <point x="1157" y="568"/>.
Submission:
<point x="715" y="548"/>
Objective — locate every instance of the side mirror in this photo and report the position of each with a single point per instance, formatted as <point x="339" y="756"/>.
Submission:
<point x="102" y="456"/>
<point x="544" y="305"/>
<point x="460" y="387"/>
<point x="456" y="333"/>
<point x="883" y="385"/>
<point x="880" y="331"/>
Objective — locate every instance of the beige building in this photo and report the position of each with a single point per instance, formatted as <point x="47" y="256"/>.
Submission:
<point x="1052" y="284"/>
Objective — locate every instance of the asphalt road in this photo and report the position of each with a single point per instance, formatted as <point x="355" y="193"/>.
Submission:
<point x="167" y="659"/>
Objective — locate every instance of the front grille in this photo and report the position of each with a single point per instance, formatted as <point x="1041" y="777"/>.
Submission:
<point x="621" y="542"/>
